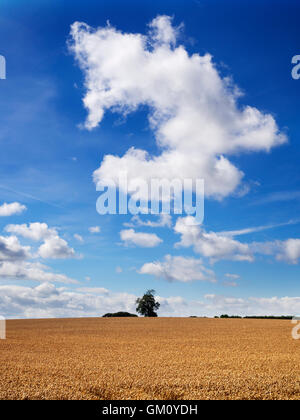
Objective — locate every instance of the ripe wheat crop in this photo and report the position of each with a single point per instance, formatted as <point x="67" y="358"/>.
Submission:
<point x="162" y="358"/>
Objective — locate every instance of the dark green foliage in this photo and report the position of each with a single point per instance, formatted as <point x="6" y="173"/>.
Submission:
<point x="269" y="317"/>
<point x="119" y="314"/>
<point x="255" y="317"/>
<point x="147" y="305"/>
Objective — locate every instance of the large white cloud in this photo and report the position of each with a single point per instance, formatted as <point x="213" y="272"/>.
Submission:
<point x="142" y="239"/>
<point x="193" y="111"/>
<point x="178" y="268"/>
<point x="9" y="209"/>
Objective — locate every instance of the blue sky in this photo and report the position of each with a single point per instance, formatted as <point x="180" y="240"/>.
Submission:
<point x="48" y="159"/>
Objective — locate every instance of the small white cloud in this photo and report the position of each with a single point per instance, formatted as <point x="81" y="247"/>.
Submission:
<point x="164" y="220"/>
<point x="36" y="231"/>
<point x="210" y="244"/>
<point x="289" y="251"/>
<point x="142" y="239"/>
<point x="179" y="268"/>
<point x="119" y="270"/>
<point x="95" y="229"/>
<point x="11" y="209"/>
<point x="232" y="276"/>
<point x="230" y="283"/>
<point x="12" y="250"/>
<point x="56" y="248"/>
<point x="79" y="238"/>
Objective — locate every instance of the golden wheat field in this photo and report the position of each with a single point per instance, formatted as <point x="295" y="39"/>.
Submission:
<point x="149" y="358"/>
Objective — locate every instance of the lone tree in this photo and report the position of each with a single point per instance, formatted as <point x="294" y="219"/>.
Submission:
<point x="147" y="305"/>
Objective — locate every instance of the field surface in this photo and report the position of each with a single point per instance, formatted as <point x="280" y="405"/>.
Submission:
<point x="163" y="358"/>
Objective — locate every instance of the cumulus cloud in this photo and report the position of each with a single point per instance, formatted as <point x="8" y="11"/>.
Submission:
<point x="219" y="246"/>
<point x="11" y="209"/>
<point x="26" y="270"/>
<point x="46" y="300"/>
<point x="142" y="239"/>
<point x="15" y="258"/>
<point x="94" y="229"/>
<point x="34" y="231"/>
<point x="177" y="268"/>
<point x="57" y="248"/>
<point x="53" y="246"/>
<point x="253" y="305"/>
<point x="288" y="250"/>
<point x="194" y="112"/>
<point x="12" y="250"/>
<point x="210" y="244"/>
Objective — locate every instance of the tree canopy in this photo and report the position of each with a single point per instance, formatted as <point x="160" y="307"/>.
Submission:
<point x="147" y="305"/>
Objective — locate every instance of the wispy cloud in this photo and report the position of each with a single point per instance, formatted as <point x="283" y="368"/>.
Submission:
<point x="256" y="228"/>
<point x="32" y="197"/>
<point x="277" y="197"/>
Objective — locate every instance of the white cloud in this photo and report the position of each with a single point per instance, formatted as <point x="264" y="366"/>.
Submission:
<point x="53" y="246"/>
<point x="230" y="283"/>
<point x="119" y="270"/>
<point x="25" y="270"/>
<point x="164" y="220"/>
<point x="179" y="268"/>
<point x="288" y="250"/>
<point x="210" y="244"/>
<point x="11" y="209"/>
<point x="254" y="305"/>
<point x="35" y="231"/>
<point x="232" y="276"/>
<point x="218" y="246"/>
<point x="12" y="250"/>
<point x="246" y="231"/>
<point x="94" y="229"/>
<point x="14" y="258"/>
<point x="47" y="300"/>
<point x="96" y="290"/>
<point x="78" y="238"/>
<point x="145" y="240"/>
<point x="57" y="248"/>
<point x="193" y="111"/>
